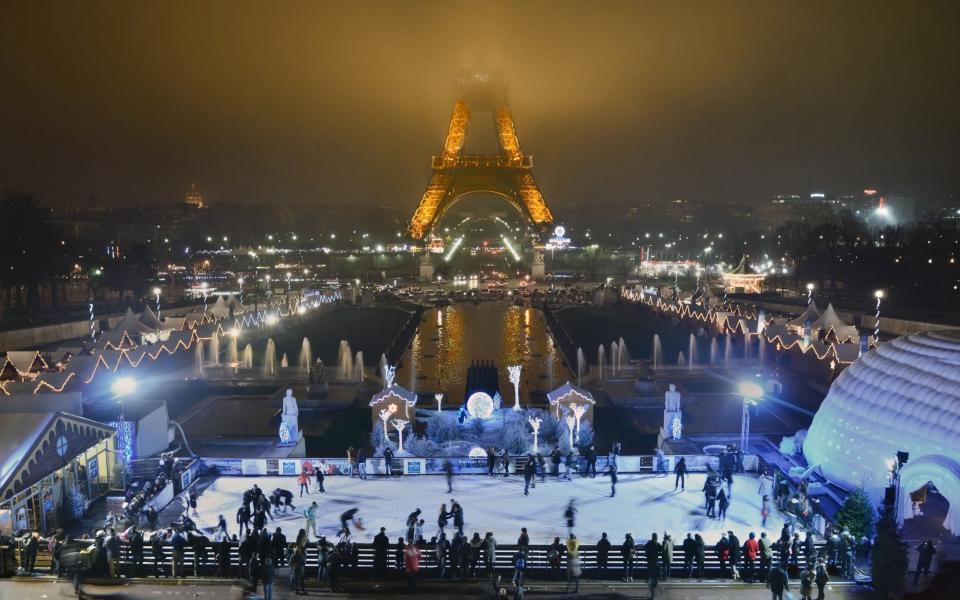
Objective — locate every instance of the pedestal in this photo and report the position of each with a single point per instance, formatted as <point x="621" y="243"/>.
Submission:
<point x="666" y="430"/>
<point x="426" y="267"/>
<point x="537" y="268"/>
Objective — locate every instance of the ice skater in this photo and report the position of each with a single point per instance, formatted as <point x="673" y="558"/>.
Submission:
<point x="192" y="501"/>
<point x="318" y="473"/>
<point x="345" y="520"/>
<point x="310" y="519"/>
<point x="529" y="472"/>
<point x="304" y="482"/>
<point x="680" y="470"/>
<point x="568" y="466"/>
<point x="612" y="472"/>
<point x="570" y="515"/>
<point x="412" y="519"/>
<point x="283" y="498"/>
<point x="448" y="471"/>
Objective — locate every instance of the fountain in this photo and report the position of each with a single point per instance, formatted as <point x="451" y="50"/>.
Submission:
<point x="284" y="363"/>
<point x="344" y="361"/>
<point x="622" y="354"/>
<point x="270" y="358"/>
<point x="247" y="362"/>
<point x="762" y="349"/>
<point x="358" y="366"/>
<point x="215" y="350"/>
<point x="198" y="359"/>
<point x="692" y="351"/>
<point x="680" y="358"/>
<point x="614" y="359"/>
<point x="580" y="363"/>
<point x="727" y="350"/>
<point x="306" y="355"/>
<point x="601" y="359"/>
<point x="232" y="359"/>
<point x="656" y="355"/>
<point x="714" y="352"/>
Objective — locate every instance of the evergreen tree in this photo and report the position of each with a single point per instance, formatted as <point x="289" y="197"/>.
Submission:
<point x="856" y="514"/>
<point x="889" y="553"/>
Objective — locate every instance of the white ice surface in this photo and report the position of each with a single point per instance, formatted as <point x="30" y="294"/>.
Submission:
<point x="643" y="504"/>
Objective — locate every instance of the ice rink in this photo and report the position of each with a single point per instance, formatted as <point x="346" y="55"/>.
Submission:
<point x="644" y="503"/>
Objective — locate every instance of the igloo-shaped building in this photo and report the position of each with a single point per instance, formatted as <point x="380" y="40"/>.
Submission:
<point x="902" y="396"/>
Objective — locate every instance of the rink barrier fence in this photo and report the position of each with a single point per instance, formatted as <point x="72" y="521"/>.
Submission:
<point x="409" y="465"/>
<point x="537" y="562"/>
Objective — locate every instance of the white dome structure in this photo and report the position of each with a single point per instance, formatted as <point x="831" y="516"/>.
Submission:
<point x="902" y="396"/>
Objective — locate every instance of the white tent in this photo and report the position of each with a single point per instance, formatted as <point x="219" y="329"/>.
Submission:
<point x="129" y="325"/>
<point x="148" y="318"/>
<point x="810" y="314"/>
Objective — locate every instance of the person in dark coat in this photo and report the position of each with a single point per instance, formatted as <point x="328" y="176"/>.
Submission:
<point x="736" y="553"/>
<point x="398" y="555"/>
<point x="555" y="461"/>
<point x="723" y="503"/>
<point x="388" y="461"/>
<point x="381" y="543"/>
<point x="136" y="551"/>
<point x="925" y="552"/>
<point x="603" y="552"/>
<point x="701" y="554"/>
<point x="491" y="461"/>
<point x="652" y="551"/>
<point x="456" y="511"/>
<point x="156" y="546"/>
<point x="412" y="519"/>
<point x="689" y="554"/>
<point x="809" y="550"/>
<point x="722" y="549"/>
<point x="627" y="553"/>
<point x="223" y="559"/>
<point x="243" y="518"/>
<point x="680" y="470"/>
<point x="529" y="472"/>
<point x="279" y="543"/>
<point x="778" y="582"/>
<point x="524" y="540"/>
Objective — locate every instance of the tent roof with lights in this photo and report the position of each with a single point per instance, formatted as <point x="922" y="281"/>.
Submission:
<point x="901" y="396"/>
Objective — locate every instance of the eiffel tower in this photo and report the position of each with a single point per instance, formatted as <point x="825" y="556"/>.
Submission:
<point x="508" y="174"/>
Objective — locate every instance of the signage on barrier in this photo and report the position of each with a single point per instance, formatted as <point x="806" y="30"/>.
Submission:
<point x="414" y="466"/>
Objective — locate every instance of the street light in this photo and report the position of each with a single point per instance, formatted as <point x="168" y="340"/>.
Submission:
<point x="751" y="393"/>
<point x="810" y="287"/>
<point x="156" y="292"/>
<point x="876" y="325"/>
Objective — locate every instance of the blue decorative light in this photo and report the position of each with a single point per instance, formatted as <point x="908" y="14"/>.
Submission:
<point x="124" y="440"/>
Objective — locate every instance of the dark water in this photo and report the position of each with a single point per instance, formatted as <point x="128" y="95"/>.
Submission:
<point x="450" y="338"/>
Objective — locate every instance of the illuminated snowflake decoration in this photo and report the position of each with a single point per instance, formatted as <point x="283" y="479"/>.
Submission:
<point x="284" y="433"/>
<point x="480" y="405"/>
<point x="676" y="428"/>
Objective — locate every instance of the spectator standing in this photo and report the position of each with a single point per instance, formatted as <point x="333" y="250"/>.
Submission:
<point x="689" y="554"/>
<point x="667" y="555"/>
<point x="179" y="543"/>
<point x="652" y="551"/>
<point x="751" y="550"/>
<point x="603" y="551"/>
<point x="490" y="552"/>
<point x="411" y="564"/>
<point x="573" y="563"/>
<point x="268" y="576"/>
<point x="778" y="582"/>
<point x="627" y="550"/>
<point x="554" y="554"/>
<point x="925" y="553"/>
<point x="701" y="554"/>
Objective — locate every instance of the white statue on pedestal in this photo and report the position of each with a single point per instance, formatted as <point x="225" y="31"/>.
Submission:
<point x="672" y="399"/>
<point x="289" y="417"/>
<point x="672" y="415"/>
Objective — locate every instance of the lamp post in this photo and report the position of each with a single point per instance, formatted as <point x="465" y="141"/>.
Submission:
<point x="876" y="325"/>
<point x="156" y="292"/>
<point x="751" y="393"/>
<point x="809" y="294"/>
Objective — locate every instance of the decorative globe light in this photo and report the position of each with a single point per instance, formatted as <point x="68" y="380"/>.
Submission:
<point x="480" y="405"/>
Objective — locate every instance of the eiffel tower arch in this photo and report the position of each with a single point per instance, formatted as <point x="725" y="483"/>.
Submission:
<point x="508" y="174"/>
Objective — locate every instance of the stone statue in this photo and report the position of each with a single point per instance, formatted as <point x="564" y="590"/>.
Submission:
<point x="672" y="399"/>
<point x="289" y="416"/>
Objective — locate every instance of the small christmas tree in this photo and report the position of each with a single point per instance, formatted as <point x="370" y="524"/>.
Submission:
<point x="856" y="514"/>
<point x="889" y="565"/>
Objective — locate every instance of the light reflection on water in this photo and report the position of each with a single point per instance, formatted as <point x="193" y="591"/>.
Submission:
<point x="450" y="338"/>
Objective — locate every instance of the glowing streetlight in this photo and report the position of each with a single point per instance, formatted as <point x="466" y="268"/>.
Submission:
<point x="123" y="386"/>
<point x="810" y="287"/>
<point x="156" y="292"/>
<point x="751" y="393"/>
<point x="876" y="326"/>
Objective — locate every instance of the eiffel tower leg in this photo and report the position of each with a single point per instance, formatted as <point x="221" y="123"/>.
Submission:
<point x="532" y="199"/>
<point x="429" y="205"/>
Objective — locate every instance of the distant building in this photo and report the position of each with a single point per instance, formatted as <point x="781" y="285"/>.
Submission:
<point x="194" y="198"/>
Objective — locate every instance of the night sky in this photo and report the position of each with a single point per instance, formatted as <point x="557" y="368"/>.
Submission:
<point x="335" y="103"/>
